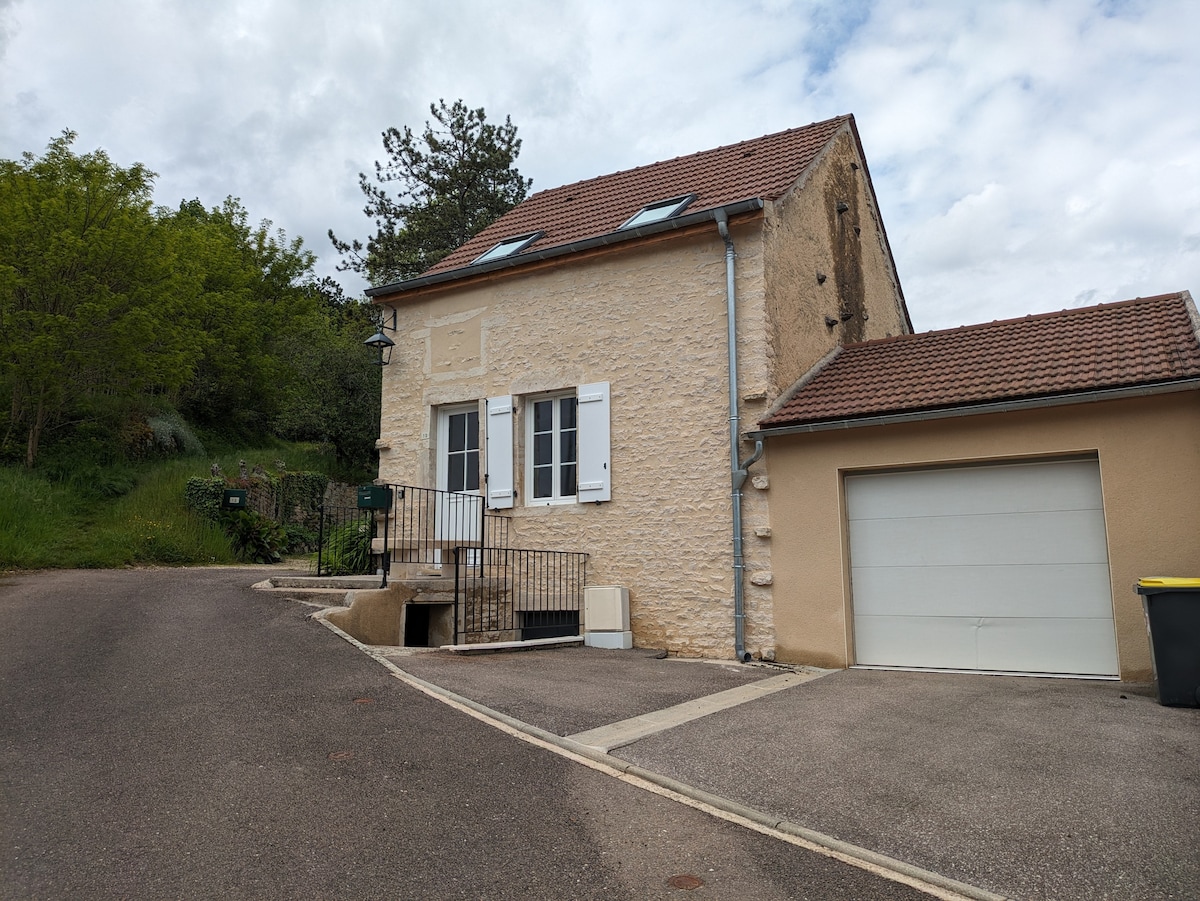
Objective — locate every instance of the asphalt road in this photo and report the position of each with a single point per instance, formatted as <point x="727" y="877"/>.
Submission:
<point x="174" y="734"/>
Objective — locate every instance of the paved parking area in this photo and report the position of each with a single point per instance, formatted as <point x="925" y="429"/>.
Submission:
<point x="572" y="689"/>
<point x="1030" y="788"/>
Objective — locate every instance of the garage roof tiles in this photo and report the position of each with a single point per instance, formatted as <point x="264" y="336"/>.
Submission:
<point x="1145" y="341"/>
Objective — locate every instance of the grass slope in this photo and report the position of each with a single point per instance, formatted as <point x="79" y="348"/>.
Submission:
<point x="78" y="523"/>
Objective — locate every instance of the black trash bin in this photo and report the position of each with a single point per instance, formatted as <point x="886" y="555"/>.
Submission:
<point x="1173" y="618"/>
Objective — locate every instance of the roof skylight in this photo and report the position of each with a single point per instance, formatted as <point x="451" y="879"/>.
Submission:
<point x="656" y="212"/>
<point x="507" y="248"/>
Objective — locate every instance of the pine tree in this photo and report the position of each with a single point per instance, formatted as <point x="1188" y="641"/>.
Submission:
<point x="455" y="179"/>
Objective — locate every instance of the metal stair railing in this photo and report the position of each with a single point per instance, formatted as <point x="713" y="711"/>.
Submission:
<point x="517" y="594"/>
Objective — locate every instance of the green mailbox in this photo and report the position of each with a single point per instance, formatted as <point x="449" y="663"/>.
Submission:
<point x="374" y="497"/>
<point x="234" y="499"/>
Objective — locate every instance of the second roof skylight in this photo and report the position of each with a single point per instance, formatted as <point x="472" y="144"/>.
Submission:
<point x="507" y="247"/>
<point x="656" y="212"/>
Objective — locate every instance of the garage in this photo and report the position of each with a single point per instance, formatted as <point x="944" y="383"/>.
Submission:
<point x="998" y="568"/>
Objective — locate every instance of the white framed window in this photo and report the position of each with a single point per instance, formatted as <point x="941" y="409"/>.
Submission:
<point x="566" y="454"/>
<point x="458" y="448"/>
<point x="458" y="512"/>
<point x="552" y="449"/>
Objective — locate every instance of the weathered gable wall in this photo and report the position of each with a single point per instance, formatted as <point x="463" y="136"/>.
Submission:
<point x="824" y="263"/>
<point x="651" y="322"/>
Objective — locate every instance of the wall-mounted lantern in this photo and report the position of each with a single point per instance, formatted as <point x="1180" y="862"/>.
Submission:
<point x="382" y="342"/>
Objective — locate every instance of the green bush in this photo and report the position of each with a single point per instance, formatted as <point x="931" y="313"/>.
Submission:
<point x="300" y="496"/>
<point x="203" y="496"/>
<point x="89" y="470"/>
<point x="157" y="436"/>
<point x="347" y="550"/>
<point x="255" y="538"/>
<point x="300" y="540"/>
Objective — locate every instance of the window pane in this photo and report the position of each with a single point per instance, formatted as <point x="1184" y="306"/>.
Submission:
<point x="543" y="481"/>
<point x="458" y="432"/>
<point x="543" y="449"/>
<point x="507" y="247"/>
<point x="553" y="448"/>
<point x="455" y="477"/>
<point x="543" y="416"/>
<point x="473" y="430"/>
<point x="567" y="413"/>
<point x="655" y="212"/>
<point x="472" y="479"/>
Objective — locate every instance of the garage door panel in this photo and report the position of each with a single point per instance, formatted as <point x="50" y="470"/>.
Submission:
<point x="1001" y="568"/>
<point x="1075" y="536"/>
<point x="1080" y="646"/>
<point x="946" y="642"/>
<point x="1049" y="645"/>
<point x="1056" y="590"/>
<point x="990" y="489"/>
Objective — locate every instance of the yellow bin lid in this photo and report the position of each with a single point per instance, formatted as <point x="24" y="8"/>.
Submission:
<point x="1168" y="582"/>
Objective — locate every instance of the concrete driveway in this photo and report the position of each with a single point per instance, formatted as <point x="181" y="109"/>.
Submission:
<point x="1029" y="788"/>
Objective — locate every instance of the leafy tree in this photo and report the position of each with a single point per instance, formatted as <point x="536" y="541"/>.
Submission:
<point x="335" y="394"/>
<point x="247" y="292"/>
<point x="116" y="317"/>
<point x="88" y="299"/>
<point x="454" y="180"/>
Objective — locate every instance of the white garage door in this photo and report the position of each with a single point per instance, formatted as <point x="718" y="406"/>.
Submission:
<point x="995" y="568"/>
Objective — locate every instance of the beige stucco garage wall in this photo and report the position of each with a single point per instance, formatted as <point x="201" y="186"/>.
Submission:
<point x="1149" y="454"/>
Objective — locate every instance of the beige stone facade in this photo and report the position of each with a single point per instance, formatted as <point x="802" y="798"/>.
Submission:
<point x="1148" y="450"/>
<point x="649" y="318"/>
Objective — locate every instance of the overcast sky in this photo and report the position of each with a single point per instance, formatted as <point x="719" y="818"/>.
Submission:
<point x="1028" y="156"/>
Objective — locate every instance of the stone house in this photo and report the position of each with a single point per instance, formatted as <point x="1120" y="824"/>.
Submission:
<point x="588" y="363"/>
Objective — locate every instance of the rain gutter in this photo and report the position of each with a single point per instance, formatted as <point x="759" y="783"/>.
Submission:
<point x="1010" y="406"/>
<point x="738" y="468"/>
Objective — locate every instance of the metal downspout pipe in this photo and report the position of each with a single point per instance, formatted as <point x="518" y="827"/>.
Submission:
<point x="738" y="469"/>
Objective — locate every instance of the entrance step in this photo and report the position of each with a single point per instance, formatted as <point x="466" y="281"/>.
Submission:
<point x="344" y="583"/>
<point x="532" y="644"/>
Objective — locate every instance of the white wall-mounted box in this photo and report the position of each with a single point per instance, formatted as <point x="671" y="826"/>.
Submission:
<point x="606" y="608"/>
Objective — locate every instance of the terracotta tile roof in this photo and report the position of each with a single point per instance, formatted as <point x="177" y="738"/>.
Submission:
<point x="1144" y="341"/>
<point x="762" y="168"/>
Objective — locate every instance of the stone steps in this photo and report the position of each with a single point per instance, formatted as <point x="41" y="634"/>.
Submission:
<point x="346" y="583"/>
<point x="334" y="590"/>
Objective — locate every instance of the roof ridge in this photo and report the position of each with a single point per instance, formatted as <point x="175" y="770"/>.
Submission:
<point x="698" y="153"/>
<point x="1028" y="317"/>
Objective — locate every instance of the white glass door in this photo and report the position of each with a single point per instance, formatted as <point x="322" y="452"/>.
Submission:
<point x="458" y="515"/>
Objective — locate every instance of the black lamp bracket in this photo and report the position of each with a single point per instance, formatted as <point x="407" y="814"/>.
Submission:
<point x="382" y="342"/>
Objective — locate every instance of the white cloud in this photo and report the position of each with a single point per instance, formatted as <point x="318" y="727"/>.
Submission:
<point x="1028" y="154"/>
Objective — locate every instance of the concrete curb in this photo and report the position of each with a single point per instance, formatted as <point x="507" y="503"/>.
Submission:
<point x="933" y="884"/>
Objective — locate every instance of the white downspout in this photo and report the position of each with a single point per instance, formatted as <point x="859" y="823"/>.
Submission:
<point x="737" y="468"/>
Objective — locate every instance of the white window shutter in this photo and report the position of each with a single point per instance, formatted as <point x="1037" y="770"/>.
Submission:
<point x="595" y="475"/>
<point x="500" y="476"/>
